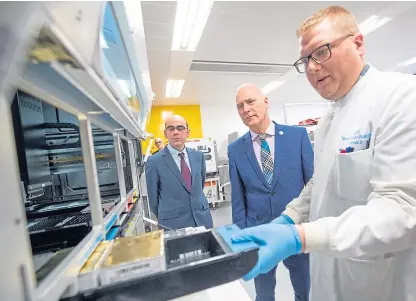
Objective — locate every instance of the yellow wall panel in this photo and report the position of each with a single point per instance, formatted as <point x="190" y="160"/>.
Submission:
<point x="156" y="121"/>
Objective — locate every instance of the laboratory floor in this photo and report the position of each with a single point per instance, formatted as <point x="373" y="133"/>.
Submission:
<point x="284" y="290"/>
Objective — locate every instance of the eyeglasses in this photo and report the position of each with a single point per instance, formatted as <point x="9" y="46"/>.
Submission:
<point x="319" y="55"/>
<point x="180" y="128"/>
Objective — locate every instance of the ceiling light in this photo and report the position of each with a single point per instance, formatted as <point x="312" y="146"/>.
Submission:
<point x="271" y="86"/>
<point x="372" y="24"/>
<point x="174" y="88"/>
<point x="166" y="114"/>
<point x="191" y="17"/>
<point x="408" y="62"/>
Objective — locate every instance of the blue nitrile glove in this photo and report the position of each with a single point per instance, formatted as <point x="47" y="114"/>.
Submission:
<point x="283" y="220"/>
<point x="227" y="232"/>
<point x="276" y="243"/>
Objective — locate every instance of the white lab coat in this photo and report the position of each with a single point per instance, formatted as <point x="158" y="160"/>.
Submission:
<point x="361" y="206"/>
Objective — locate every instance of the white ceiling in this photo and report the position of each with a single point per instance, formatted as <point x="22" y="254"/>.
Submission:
<point x="263" y="32"/>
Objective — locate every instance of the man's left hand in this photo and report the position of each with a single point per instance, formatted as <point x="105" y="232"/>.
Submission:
<point x="276" y="242"/>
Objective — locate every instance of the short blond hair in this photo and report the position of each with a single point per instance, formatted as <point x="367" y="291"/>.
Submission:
<point x="342" y="20"/>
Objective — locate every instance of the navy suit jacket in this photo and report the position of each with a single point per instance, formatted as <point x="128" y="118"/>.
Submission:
<point x="170" y="200"/>
<point x="254" y="201"/>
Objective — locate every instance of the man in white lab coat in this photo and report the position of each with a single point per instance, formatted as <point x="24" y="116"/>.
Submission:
<point x="357" y="215"/>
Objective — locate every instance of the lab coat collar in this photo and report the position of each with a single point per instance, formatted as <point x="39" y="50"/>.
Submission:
<point x="367" y="72"/>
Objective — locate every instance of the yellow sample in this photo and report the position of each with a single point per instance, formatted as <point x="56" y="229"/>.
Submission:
<point x="135" y="248"/>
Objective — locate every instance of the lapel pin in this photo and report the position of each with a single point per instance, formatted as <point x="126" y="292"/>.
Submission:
<point x="281" y="133"/>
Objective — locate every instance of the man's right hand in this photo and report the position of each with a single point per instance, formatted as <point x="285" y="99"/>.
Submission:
<point x="283" y="220"/>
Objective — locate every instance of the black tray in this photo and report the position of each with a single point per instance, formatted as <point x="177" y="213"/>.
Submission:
<point x="217" y="265"/>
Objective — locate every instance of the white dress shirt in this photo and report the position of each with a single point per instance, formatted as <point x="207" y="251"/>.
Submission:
<point x="175" y="154"/>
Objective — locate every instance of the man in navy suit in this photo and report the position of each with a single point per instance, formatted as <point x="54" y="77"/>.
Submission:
<point x="175" y="179"/>
<point x="269" y="166"/>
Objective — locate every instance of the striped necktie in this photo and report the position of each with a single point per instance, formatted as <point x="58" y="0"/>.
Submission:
<point x="266" y="159"/>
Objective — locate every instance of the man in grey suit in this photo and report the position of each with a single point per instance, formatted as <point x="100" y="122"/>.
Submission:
<point x="175" y="179"/>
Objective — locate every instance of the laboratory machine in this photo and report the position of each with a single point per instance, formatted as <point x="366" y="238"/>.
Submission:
<point x="75" y="94"/>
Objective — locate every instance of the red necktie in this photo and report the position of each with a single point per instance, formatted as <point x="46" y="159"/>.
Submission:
<point x="186" y="173"/>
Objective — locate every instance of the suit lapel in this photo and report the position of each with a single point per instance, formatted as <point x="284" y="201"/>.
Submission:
<point x="253" y="160"/>
<point x="278" y="152"/>
<point x="173" y="167"/>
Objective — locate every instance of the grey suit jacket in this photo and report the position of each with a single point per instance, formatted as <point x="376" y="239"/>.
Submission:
<point x="170" y="200"/>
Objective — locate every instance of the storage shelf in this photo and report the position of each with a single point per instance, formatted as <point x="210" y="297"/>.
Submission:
<point x="65" y="71"/>
<point x="125" y="216"/>
<point x="78" y="92"/>
<point x="55" y="284"/>
<point x="65" y="274"/>
<point x="113" y="216"/>
<point x="79" y="89"/>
